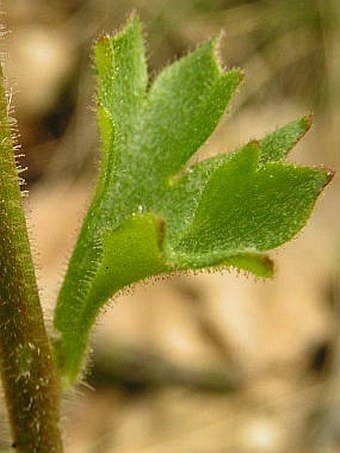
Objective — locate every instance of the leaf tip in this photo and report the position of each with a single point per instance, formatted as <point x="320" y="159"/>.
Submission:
<point x="132" y="23"/>
<point x="257" y="264"/>
<point x="133" y="19"/>
<point x="216" y="44"/>
<point x="268" y="267"/>
<point x="252" y="145"/>
<point x="329" y="175"/>
<point x="307" y="121"/>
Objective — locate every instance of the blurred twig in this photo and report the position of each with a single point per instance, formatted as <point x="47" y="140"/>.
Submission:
<point x="138" y="370"/>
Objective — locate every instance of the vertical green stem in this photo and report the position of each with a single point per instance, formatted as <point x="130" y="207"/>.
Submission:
<point x="29" y="378"/>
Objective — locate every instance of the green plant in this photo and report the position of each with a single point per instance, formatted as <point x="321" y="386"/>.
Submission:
<point x="151" y="215"/>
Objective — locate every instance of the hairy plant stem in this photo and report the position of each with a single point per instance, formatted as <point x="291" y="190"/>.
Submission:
<point x="29" y="377"/>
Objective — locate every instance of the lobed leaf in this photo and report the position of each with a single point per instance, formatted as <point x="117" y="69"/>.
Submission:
<point x="247" y="208"/>
<point x="146" y="218"/>
<point x="184" y="106"/>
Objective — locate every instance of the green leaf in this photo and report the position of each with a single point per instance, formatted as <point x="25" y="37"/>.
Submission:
<point x="122" y="81"/>
<point x="184" y="105"/>
<point x="151" y="215"/>
<point x="129" y="254"/>
<point x="277" y="145"/>
<point x="247" y="208"/>
<point x="256" y="263"/>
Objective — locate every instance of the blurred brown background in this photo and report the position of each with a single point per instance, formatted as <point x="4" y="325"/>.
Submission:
<point x="206" y="363"/>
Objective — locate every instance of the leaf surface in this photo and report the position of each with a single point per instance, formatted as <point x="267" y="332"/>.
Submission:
<point x="153" y="215"/>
